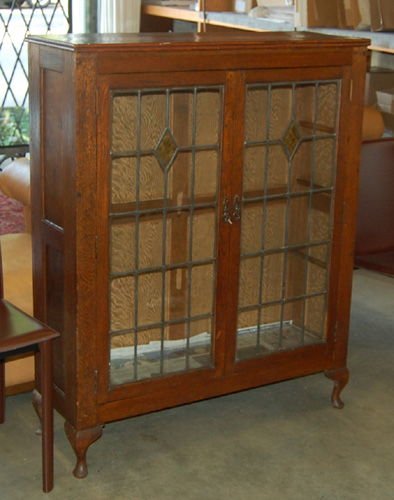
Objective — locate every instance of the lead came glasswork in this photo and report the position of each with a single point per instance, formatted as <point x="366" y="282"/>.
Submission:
<point x="163" y="205"/>
<point x="289" y="170"/>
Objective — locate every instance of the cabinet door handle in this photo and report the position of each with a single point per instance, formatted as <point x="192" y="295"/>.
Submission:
<point x="237" y="209"/>
<point x="226" y="211"/>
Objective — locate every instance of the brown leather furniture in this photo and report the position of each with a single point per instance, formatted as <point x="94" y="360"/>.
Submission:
<point x="375" y="221"/>
<point x="17" y="269"/>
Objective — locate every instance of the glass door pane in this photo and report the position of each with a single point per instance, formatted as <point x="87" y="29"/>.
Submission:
<point x="288" y="182"/>
<point x="165" y="159"/>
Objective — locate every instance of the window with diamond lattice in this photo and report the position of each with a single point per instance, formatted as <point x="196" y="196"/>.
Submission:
<point x="18" y="19"/>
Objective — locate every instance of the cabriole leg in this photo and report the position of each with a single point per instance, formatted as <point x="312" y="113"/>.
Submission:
<point x="80" y="442"/>
<point x="340" y="378"/>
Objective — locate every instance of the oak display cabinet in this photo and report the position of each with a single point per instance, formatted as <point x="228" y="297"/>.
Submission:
<point x="194" y="210"/>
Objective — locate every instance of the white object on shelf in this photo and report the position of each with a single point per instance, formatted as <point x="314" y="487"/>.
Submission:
<point x="276" y="14"/>
<point x="386" y="100"/>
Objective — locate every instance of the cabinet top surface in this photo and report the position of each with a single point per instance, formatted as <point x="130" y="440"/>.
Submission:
<point x="198" y="41"/>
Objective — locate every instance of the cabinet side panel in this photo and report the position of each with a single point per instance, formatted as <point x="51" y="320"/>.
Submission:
<point x="52" y="113"/>
<point x="52" y="110"/>
<point x="47" y="105"/>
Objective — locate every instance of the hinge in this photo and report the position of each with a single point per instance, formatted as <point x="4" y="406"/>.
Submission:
<point x="96" y="247"/>
<point x="95" y="381"/>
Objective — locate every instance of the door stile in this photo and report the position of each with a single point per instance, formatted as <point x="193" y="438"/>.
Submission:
<point x="346" y="204"/>
<point x="229" y="223"/>
<point x="102" y="244"/>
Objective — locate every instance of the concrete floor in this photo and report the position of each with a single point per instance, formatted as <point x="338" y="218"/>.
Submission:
<point x="282" y="441"/>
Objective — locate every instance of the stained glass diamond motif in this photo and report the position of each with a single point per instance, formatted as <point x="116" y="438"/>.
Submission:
<point x="166" y="148"/>
<point x="291" y="138"/>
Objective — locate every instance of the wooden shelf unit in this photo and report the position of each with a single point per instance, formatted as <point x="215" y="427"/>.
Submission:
<point x="158" y="17"/>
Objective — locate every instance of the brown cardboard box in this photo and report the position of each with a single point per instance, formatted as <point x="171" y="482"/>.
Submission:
<point x="332" y="14"/>
<point x="382" y="15"/>
<point x="365" y="12"/>
<point x="320" y="13"/>
<point x="352" y="13"/>
<point x="328" y="14"/>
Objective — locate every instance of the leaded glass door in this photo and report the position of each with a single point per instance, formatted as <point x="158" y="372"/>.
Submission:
<point x="164" y="182"/>
<point x="287" y="206"/>
<point x="176" y="201"/>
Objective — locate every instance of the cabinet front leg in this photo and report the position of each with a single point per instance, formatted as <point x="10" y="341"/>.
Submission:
<point x="80" y="442"/>
<point x="340" y="378"/>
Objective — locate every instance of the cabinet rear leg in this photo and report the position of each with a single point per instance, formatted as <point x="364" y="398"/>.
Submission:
<point x="340" y="378"/>
<point x="80" y="442"/>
